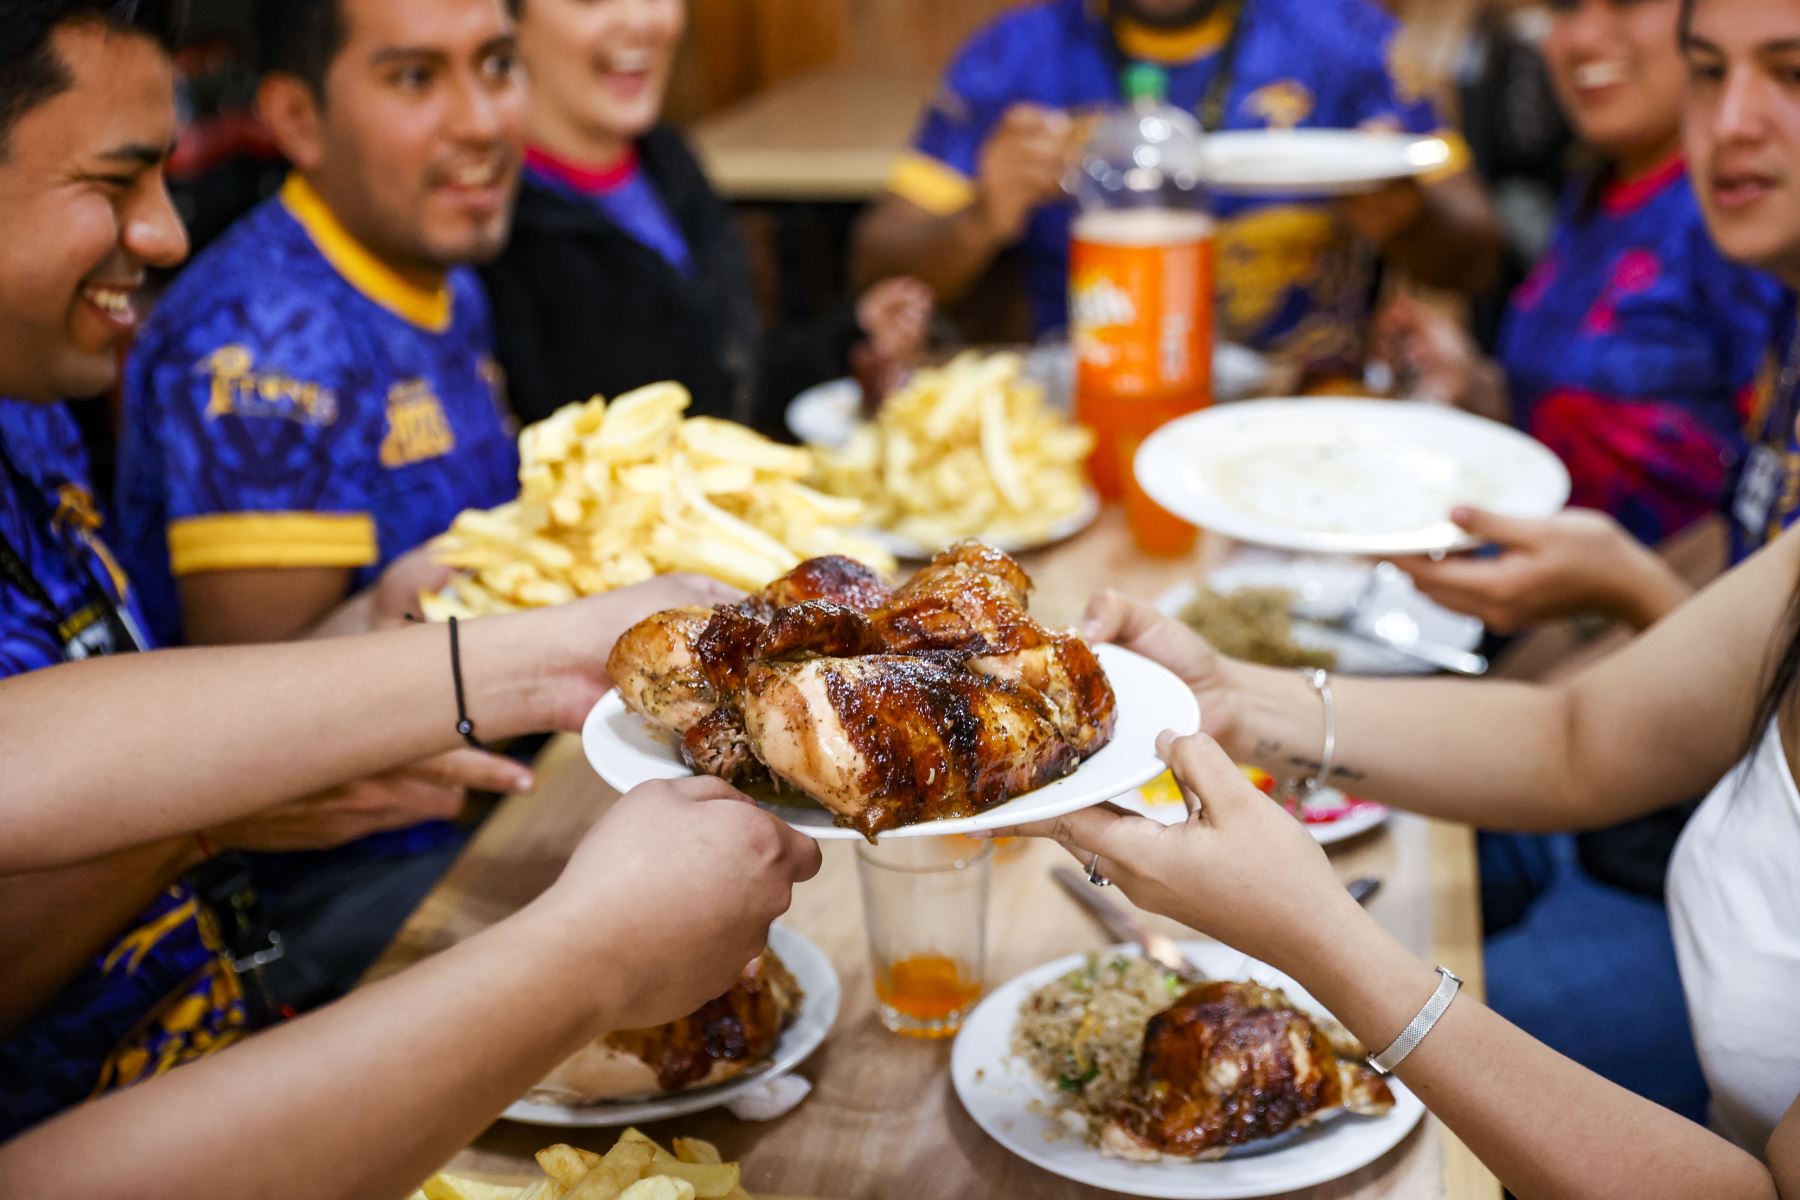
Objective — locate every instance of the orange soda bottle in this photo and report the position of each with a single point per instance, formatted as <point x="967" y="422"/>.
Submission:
<point x="1141" y="293"/>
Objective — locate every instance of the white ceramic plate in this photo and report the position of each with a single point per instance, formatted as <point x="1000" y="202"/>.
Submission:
<point x="1330" y="585"/>
<point x="818" y="1013"/>
<point x="1346" y="476"/>
<point x="626" y="750"/>
<point x="1364" y="817"/>
<point x="826" y="414"/>
<point x="998" y="1091"/>
<point x="1317" y="162"/>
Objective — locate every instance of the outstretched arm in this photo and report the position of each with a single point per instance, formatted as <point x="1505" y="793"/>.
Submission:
<point x="1660" y="721"/>
<point x="371" y="1094"/>
<point x="196" y="738"/>
<point x="1546" y="1126"/>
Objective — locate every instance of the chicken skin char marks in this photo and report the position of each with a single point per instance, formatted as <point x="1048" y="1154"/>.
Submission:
<point x="1231" y="1063"/>
<point x="835" y="578"/>
<point x="889" y="707"/>
<point x="743" y="1025"/>
<point x="891" y="740"/>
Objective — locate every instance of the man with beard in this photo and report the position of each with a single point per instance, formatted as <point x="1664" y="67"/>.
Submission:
<point x="985" y="174"/>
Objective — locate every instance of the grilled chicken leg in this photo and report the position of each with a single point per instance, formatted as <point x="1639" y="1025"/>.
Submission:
<point x="659" y="674"/>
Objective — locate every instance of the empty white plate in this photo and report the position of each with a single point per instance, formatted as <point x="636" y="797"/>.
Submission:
<point x="1346" y="476"/>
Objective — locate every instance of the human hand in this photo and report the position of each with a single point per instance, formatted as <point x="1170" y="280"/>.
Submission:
<point x="1240" y="868"/>
<point x="395" y="595"/>
<point x="1022" y="167"/>
<point x="895" y="316"/>
<point x="1114" y="617"/>
<point x="676" y="887"/>
<point x="433" y="790"/>
<point x="568" y="645"/>
<point x="1577" y="561"/>
<point x="1424" y="344"/>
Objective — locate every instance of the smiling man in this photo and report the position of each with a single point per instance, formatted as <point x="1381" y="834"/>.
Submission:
<point x="317" y="394"/>
<point x="133" y="960"/>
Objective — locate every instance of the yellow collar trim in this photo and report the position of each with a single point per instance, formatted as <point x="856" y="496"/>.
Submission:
<point x="428" y="308"/>
<point x="1176" y="45"/>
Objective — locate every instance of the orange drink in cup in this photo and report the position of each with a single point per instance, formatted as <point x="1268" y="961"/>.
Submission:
<point x="925" y="909"/>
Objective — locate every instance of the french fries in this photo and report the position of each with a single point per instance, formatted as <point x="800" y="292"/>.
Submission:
<point x="967" y="449"/>
<point x="613" y="494"/>
<point x="636" y="1168"/>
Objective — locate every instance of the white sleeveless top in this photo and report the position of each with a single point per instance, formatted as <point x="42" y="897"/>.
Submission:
<point x="1734" y="908"/>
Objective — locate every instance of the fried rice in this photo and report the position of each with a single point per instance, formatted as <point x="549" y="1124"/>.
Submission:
<point x="1083" y="1034"/>
<point x="1253" y="624"/>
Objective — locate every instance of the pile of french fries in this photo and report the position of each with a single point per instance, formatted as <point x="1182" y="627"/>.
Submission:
<point x="636" y="1168"/>
<point x="613" y="494"/>
<point x="970" y="449"/>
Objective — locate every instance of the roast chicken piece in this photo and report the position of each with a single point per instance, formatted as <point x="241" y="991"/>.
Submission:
<point x="723" y="1039"/>
<point x="1064" y="671"/>
<point x="1232" y="1063"/>
<point x="840" y="580"/>
<point x="741" y="1026"/>
<point x="658" y="671"/>
<point x="669" y="669"/>
<point x="970" y="599"/>
<point x="887" y="740"/>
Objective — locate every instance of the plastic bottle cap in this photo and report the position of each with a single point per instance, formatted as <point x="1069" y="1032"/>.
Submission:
<point x="1146" y="81"/>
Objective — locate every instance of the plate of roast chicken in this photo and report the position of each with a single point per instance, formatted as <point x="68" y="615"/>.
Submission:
<point x="855" y="709"/>
<point x="1113" y="1071"/>
<point x="779" y="1011"/>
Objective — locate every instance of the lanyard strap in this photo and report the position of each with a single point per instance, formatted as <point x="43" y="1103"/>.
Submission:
<point x="17" y="571"/>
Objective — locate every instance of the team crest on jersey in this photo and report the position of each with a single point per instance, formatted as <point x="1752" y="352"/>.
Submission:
<point x="239" y="389"/>
<point x="1282" y="104"/>
<point x="417" y="429"/>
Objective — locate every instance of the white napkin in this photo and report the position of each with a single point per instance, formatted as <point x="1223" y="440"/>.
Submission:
<point x="775" y="1098"/>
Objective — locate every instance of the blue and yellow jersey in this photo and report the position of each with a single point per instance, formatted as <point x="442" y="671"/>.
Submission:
<point x="163" y="993"/>
<point x="1292" y="279"/>
<point x="1633" y="348"/>
<point x="1764" y="498"/>
<point x="294" y="402"/>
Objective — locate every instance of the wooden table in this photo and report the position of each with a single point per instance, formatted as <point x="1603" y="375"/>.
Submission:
<point x="882" y="1122"/>
<point x="829" y="134"/>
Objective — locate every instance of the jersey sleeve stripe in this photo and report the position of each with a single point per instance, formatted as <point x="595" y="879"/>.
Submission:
<point x="252" y="541"/>
<point x="932" y="184"/>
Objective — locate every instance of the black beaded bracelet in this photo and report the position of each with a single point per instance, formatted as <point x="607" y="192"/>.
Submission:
<point x="464" y="726"/>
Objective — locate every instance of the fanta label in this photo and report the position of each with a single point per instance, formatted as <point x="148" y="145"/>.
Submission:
<point x="1141" y="305"/>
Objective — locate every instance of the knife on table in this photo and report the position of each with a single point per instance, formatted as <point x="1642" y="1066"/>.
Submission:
<point x="1118" y="921"/>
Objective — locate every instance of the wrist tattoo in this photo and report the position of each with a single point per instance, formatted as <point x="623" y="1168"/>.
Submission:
<point x="1310" y="766"/>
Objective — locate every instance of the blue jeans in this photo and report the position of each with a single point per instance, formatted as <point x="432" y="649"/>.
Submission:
<point x="1588" y="969"/>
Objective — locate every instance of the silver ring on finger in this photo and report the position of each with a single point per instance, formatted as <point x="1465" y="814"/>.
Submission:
<point x="1094" y="875"/>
